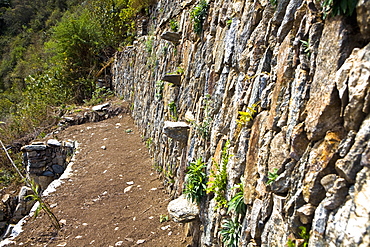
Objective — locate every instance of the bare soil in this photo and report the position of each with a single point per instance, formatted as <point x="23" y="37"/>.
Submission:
<point x="93" y="205"/>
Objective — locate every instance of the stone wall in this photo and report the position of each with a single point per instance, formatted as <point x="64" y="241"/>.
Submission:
<point x="306" y="77"/>
<point x="46" y="161"/>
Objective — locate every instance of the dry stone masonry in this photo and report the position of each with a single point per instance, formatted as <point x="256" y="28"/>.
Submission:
<point x="302" y="153"/>
<point x="45" y="162"/>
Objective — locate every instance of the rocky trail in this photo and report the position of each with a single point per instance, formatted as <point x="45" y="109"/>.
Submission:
<point x="113" y="196"/>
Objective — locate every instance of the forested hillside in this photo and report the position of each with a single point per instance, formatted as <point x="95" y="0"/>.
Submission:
<point x="53" y="52"/>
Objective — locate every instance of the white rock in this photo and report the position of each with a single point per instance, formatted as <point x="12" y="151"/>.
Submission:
<point x="183" y="210"/>
<point x="140" y="241"/>
<point x="127" y="189"/>
<point x="100" y="107"/>
<point x="119" y="243"/>
<point x="54" y="142"/>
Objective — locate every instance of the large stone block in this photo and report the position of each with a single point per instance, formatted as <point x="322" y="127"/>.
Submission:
<point x="353" y="83"/>
<point x="183" y="210"/>
<point x="324" y="105"/>
<point x="320" y="157"/>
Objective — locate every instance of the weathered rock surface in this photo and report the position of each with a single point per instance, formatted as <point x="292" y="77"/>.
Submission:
<point x="305" y="83"/>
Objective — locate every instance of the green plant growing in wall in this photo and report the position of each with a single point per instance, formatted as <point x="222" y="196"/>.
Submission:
<point x="195" y="184"/>
<point x="246" y="116"/>
<point x="218" y="178"/>
<point x="236" y="203"/>
<point x="179" y="71"/>
<point x="230" y="232"/>
<point x="198" y="15"/>
<point x="149" y="44"/>
<point x="159" y="86"/>
<point x="228" y="22"/>
<point x="306" y="47"/>
<point x="273" y="2"/>
<point x="149" y="142"/>
<point x="338" y="7"/>
<point x="173" y="110"/>
<point x="272" y="176"/>
<point x="168" y="175"/>
<point x="174" y="25"/>
<point x="305" y="236"/>
<point x="157" y="167"/>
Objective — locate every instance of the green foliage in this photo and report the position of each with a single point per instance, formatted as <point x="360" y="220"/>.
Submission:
<point x="230" y="232"/>
<point x="158" y="168"/>
<point x="245" y="117"/>
<point x="174" y="25"/>
<point x="173" y="110"/>
<point x="148" y="142"/>
<point x="195" y="184"/>
<point x="198" y="15"/>
<point x="159" y="86"/>
<point x="272" y="176"/>
<point x="304" y="235"/>
<point x="50" y="56"/>
<point x="218" y="178"/>
<point x="273" y="2"/>
<point x="163" y="218"/>
<point x="338" y="7"/>
<point x="35" y="196"/>
<point x="99" y="95"/>
<point x="180" y="71"/>
<point x="290" y="243"/>
<point x="307" y="47"/>
<point x="6" y="177"/>
<point x="236" y="203"/>
<point x="149" y="44"/>
<point x="228" y="22"/>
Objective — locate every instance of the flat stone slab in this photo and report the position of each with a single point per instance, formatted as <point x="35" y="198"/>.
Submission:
<point x="53" y="142"/>
<point x="173" y="37"/>
<point x="30" y="148"/>
<point x="172" y="78"/>
<point x="100" y="107"/>
<point x="176" y="130"/>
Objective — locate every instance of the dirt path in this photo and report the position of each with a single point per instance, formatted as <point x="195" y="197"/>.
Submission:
<point x="113" y="197"/>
